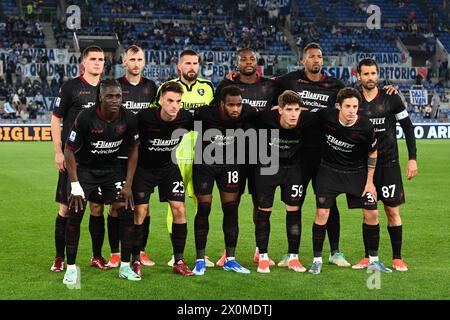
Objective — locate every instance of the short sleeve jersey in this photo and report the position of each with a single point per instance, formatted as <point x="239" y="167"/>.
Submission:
<point x="346" y="148"/>
<point x="136" y="97"/>
<point x="384" y="111"/>
<point x="289" y="141"/>
<point x="157" y="136"/>
<point x="218" y="130"/>
<point x="200" y="93"/>
<point x="259" y="95"/>
<point x="74" y="95"/>
<point x="316" y="95"/>
<point x="96" y="141"/>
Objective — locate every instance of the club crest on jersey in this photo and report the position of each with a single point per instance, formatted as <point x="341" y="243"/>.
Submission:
<point x="201" y="91"/>
<point x="120" y="128"/>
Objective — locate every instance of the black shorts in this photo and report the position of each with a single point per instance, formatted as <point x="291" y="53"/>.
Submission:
<point x="290" y="181"/>
<point x="61" y="188"/>
<point x="332" y="182"/>
<point x="247" y="172"/>
<point x="309" y="163"/>
<point x="99" y="186"/>
<point x="388" y="181"/>
<point x="168" y="179"/>
<point x="227" y="177"/>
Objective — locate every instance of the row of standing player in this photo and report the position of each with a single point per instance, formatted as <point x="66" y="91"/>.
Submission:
<point x="257" y="91"/>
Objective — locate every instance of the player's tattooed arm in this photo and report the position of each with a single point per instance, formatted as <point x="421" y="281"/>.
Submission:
<point x="76" y="197"/>
<point x="371" y="164"/>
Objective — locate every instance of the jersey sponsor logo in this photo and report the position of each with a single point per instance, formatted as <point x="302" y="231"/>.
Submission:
<point x="339" y="145"/>
<point x="201" y="92"/>
<point x="163" y="142"/>
<point x="80" y="93"/>
<point x="255" y="103"/>
<point x="96" y="130"/>
<point x="305" y="94"/>
<point x="222" y="140"/>
<point x="106" y="144"/>
<point x="135" y="106"/>
<point x="191" y="105"/>
<point x="313" y="104"/>
<point x="282" y="143"/>
<point x="88" y="105"/>
<point x="72" y="136"/>
<point x="378" y="122"/>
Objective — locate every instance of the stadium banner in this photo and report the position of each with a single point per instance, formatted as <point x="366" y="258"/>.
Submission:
<point x="154" y="72"/>
<point x="59" y="56"/>
<point x="42" y="132"/>
<point x="382" y="58"/>
<point x="72" y="70"/>
<point x="427" y="131"/>
<point x="25" y="132"/>
<point x="397" y="74"/>
<point x="419" y="97"/>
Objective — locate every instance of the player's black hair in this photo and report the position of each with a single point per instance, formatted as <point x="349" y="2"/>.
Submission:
<point x="367" y="62"/>
<point x="311" y="45"/>
<point x="289" y="97"/>
<point x="346" y="93"/>
<point x="91" y="49"/>
<point x="172" y="87"/>
<point x="109" y="83"/>
<point x="229" y="91"/>
<point x="246" y="49"/>
<point x="189" y="52"/>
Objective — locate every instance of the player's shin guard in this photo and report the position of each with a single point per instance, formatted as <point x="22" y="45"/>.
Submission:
<point x="113" y="233"/>
<point x="395" y="234"/>
<point x="334" y="229"/>
<point x="146" y="232"/>
<point x="318" y="235"/>
<point x="262" y="230"/>
<point x="230" y="226"/>
<point x="126" y="232"/>
<point x="73" y="234"/>
<point x="201" y="228"/>
<point x="138" y="240"/>
<point x="293" y="230"/>
<point x="179" y="234"/>
<point x="60" y="235"/>
<point x="97" y="231"/>
<point x="373" y="238"/>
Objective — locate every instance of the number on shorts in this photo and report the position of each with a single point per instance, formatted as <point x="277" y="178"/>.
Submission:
<point x="119" y="185"/>
<point x="233" y="177"/>
<point x="388" y="191"/>
<point x="179" y="187"/>
<point x="370" y="197"/>
<point x="99" y="190"/>
<point x="297" y="190"/>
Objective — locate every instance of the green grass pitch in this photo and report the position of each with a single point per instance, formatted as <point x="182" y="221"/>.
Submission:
<point x="27" y="186"/>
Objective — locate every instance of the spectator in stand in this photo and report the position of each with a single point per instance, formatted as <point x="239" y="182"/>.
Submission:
<point x="7" y="111"/>
<point x="39" y="100"/>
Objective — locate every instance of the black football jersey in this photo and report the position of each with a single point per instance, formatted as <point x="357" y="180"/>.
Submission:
<point x="346" y="148"/>
<point x="289" y="141"/>
<point x="139" y="96"/>
<point x="157" y="141"/>
<point x="136" y="98"/>
<point x="223" y="138"/>
<point x="74" y="95"/>
<point x="96" y="142"/>
<point x="259" y="95"/>
<point x="384" y="111"/>
<point x="316" y="95"/>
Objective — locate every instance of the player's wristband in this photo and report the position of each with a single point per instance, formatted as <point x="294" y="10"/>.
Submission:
<point x="76" y="189"/>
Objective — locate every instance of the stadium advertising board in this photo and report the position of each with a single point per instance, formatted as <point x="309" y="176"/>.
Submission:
<point x="42" y="132"/>
<point x="25" y="132"/>
<point x="428" y="131"/>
